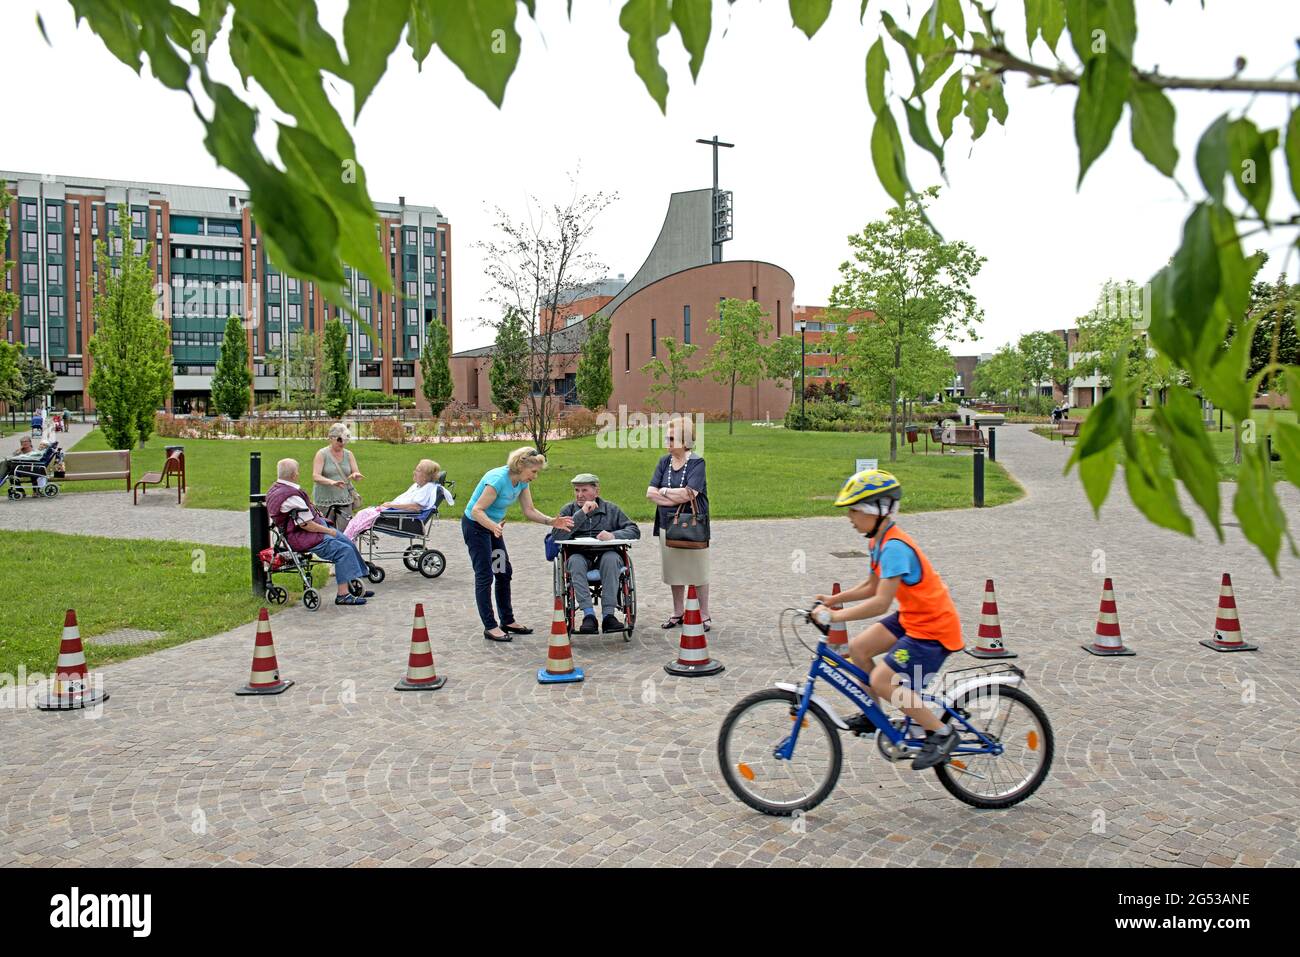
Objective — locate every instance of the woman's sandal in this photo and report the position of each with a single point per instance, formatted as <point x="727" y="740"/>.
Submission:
<point x="491" y="637"/>
<point x="516" y="630"/>
<point x="672" y="622"/>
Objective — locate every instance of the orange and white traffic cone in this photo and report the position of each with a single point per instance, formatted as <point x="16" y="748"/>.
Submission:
<point x="70" y="686"/>
<point x="559" y="655"/>
<point x="1227" y="627"/>
<point x="421" y="675"/>
<point x="264" y="678"/>
<point x="1108" y="642"/>
<point x="990" y="644"/>
<point x="838" y="637"/>
<point x="693" y="659"/>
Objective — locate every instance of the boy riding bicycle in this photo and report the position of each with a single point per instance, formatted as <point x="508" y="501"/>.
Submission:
<point x="919" y="636"/>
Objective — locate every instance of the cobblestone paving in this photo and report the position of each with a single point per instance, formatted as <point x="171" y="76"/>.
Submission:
<point x="1176" y="757"/>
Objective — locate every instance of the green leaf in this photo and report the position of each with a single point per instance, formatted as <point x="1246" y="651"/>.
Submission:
<point x="294" y="26"/>
<point x="694" y="20"/>
<point x="861" y="13"/>
<point x="953" y="16"/>
<point x="1053" y="22"/>
<point x="1293" y="151"/>
<point x="887" y="156"/>
<point x="1224" y="382"/>
<point x="644" y="22"/>
<point x="936" y="65"/>
<point x="809" y="15"/>
<point x="903" y="39"/>
<point x="1286" y="436"/>
<point x="1100" y="28"/>
<point x="877" y="65"/>
<point x="1196" y="274"/>
<point x="998" y="101"/>
<point x="1152" y="117"/>
<point x="1033" y="21"/>
<point x="1119" y="20"/>
<point x="40" y="25"/>
<point x="1105" y="424"/>
<point x="1096" y="472"/>
<point x="479" y="37"/>
<point x="420" y="37"/>
<point x="1178" y="425"/>
<point x="920" y="133"/>
<point x="1256" y="505"/>
<point x="1235" y="272"/>
<point x="950" y="104"/>
<point x="371" y="29"/>
<point x="1103" y="89"/>
<point x="1250" y="163"/>
<point x="1212" y="157"/>
<point x="977" y="109"/>
<point x="114" y="26"/>
<point x="1152" y="491"/>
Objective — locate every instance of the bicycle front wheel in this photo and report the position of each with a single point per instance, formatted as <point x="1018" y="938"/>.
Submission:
<point x="1011" y="717"/>
<point x="754" y="729"/>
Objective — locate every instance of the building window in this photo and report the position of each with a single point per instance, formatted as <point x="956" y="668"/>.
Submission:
<point x="273" y="338"/>
<point x="428" y="290"/>
<point x="686" y="324"/>
<point x="411" y="288"/>
<point x="32" y="305"/>
<point x="54" y="274"/>
<point x="31" y="242"/>
<point x="112" y="216"/>
<point x="139" y="246"/>
<point x="363" y="343"/>
<point x="53" y="213"/>
<point x="627" y="352"/>
<point x="30" y="274"/>
<point x="654" y="341"/>
<point x="412" y="343"/>
<point x="76" y="216"/>
<point x="273" y="282"/>
<point x="29" y="211"/>
<point x="778" y="318"/>
<point x="408" y="237"/>
<point x="273" y="312"/>
<point x="293" y="286"/>
<point x="55" y="305"/>
<point x="363" y="287"/>
<point x="32" y="336"/>
<point x="54" y="243"/>
<point x="295" y="312"/>
<point x="138" y="218"/>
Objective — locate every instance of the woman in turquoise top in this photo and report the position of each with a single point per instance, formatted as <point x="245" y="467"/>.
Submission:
<point x="482" y="526"/>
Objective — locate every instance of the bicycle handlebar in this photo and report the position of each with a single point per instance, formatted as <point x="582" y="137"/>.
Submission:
<point x="807" y="614"/>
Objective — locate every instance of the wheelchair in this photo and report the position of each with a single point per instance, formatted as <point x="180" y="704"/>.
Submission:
<point x="280" y="559"/>
<point x="626" y="584"/>
<point x="49" y="466"/>
<point x="411" y="531"/>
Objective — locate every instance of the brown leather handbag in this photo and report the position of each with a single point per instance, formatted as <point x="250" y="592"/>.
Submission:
<point x="687" y="529"/>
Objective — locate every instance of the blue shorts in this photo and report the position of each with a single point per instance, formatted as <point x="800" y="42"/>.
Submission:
<point x="918" y="660"/>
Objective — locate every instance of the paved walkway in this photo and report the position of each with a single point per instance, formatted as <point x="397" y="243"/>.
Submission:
<point x="1178" y="756"/>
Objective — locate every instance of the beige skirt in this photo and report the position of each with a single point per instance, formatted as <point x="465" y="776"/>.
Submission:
<point x="683" y="566"/>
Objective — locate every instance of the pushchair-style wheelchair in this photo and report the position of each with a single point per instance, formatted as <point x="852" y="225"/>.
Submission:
<point x="280" y="559"/>
<point x="626" y="604"/>
<point x="411" y="529"/>
<point x="48" y="466"/>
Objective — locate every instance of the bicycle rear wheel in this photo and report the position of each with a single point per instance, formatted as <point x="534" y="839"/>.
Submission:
<point x="754" y="729"/>
<point x="1010" y="716"/>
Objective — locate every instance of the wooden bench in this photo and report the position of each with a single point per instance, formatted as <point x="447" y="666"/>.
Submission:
<point x="96" y="466"/>
<point x="964" y="436"/>
<point x="175" y="465"/>
<point x="1067" y="427"/>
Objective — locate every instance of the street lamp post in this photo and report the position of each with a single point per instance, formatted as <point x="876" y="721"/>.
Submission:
<point x="803" y="370"/>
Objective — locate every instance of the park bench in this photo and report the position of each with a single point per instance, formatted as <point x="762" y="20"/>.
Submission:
<point x="963" y="436"/>
<point x="175" y="465"/>
<point x="1067" y="427"/>
<point x="96" y="466"/>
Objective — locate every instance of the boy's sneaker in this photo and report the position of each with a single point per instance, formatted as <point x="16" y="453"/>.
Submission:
<point x="938" y="748"/>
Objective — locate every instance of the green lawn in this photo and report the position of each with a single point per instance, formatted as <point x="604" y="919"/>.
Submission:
<point x="1221" y="442"/>
<point x="756" y="473"/>
<point x="185" y="590"/>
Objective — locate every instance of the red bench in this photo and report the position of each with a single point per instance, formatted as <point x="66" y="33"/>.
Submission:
<point x="175" y="465"/>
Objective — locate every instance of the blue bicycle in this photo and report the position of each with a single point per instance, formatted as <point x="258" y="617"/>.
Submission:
<point x="1002" y="757"/>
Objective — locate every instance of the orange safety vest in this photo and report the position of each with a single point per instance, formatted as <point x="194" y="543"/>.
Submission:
<point x="925" y="610"/>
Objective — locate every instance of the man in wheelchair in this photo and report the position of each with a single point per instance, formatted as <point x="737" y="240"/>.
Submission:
<point x="593" y="517"/>
<point x="305" y="529"/>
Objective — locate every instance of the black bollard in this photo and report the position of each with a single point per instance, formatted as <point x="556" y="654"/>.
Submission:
<point x="259" y="533"/>
<point x="993" y="444"/>
<point x="979" y="478"/>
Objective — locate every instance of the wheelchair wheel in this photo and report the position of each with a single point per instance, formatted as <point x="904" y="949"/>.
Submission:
<point x="311" y="599"/>
<point x="628" y="599"/>
<point x="16" y="493"/>
<point x="51" y="490"/>
<point x="355" y="588"/>
<point x="374" y="573"/>
<point x="281" y="596"/>
<point x="411" y="558"/>
<point x="432" y="563"/>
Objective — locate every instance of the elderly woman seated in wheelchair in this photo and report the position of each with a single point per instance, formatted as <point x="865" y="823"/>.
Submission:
<point x="594" y="561"/>
<point x="409" y="519"/>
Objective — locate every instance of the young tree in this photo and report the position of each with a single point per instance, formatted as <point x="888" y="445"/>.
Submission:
<point x="231" y="380"/>
<point x="34" y="380"/>
<point x="435" y="367"/>
<point x="533" y="266"/>
<point x="11" y="388"/>
<point x="508" y="372"/>
<point x="336" y="376"/>
<point x="595" y="365"/>
<point x="133" y="370"/>
<point x="1040" y="353"/>
<point x="784" y="363"/>
<point x="916" y="284"/>
<point x="1002" y="376"/>
<point x="1275" y="342"/>
<point x="1112" y="336"/>
<point x="669" y="376"/>
<point x="10" y="380"/>
<point x="736" y="358"/>
<point x="299" y="364"/>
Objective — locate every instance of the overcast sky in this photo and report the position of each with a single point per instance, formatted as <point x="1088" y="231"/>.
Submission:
<point x="796" y="110"/>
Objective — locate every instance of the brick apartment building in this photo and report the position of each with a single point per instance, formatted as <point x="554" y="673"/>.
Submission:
<point x="208" y="255"/>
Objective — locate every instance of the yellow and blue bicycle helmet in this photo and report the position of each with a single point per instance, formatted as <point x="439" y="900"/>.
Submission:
<point x="870" y="487"/>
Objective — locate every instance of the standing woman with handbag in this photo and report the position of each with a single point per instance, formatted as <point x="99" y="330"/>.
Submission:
<point x="333" y="471"/>
<point x="680" y="489"/>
